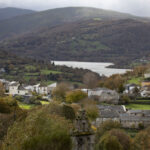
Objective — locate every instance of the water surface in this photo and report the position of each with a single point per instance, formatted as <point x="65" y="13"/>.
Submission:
<point x="98" y="67"/>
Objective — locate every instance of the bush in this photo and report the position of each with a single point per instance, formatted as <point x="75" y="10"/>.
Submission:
<point x="68" y="112"/>
<point x="7" y="104"/>
<point x="59" y="93"/>
<point x="107" y="126"/>
<point x="19" y="98"/>
<point x="142" y="140"/>
<point x="75" y="96"/>
<point x="91" y="109"/>
<point x="125" y="99"/>
<point x="59" y="110"/>
<point x="76" y="107"/>
<point x="141" y="126"/>
<point x="109" y="142"/>
<point x="114" y="140"/>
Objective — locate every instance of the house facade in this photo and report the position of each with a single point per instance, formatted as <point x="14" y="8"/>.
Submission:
<point x="127" y="118"/>
<point x="13" y="88"/>
<point x="103" y="95"/>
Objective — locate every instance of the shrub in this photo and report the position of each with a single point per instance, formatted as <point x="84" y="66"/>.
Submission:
<point x="75" y="96"/>
<point x="142" y="140"/>
<point x="7" y="104"/>
<point x="59" y="93"/>
<point x="107" y="126"/>
<point x="125" y="99"/>
<point x="68" y="112"/>
<point x="114" y="140"/>
<point x="91" y="108"/>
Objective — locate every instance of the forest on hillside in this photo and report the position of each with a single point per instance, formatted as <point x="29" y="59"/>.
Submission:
<point x="120" y="41"/>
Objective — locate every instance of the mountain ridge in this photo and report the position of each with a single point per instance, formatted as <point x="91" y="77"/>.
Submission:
<point x="53" y="17"/>
<point x="117" y="41"/>
<point x="10" y="12"/>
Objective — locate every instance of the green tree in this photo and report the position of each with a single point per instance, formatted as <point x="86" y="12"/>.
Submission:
<point x="115" y="139"/>
<point x="109" y="142"/>
<point x="39" y="131"/>
<point x="114" y="82"/>
<point x="7" y="104"/>
<point x="124" y="99"/>
<point x="142" y="140"/>
<point x="59" y="93"/>
<point x="91" y="108"/>
<point x="107" y="126"/>
<point x="75" y="96"/>
<point x="68" y="112"/>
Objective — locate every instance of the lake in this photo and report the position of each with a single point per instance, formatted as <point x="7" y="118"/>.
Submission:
<point x="98" y="67"/>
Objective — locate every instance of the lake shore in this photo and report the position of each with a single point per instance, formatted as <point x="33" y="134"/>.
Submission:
<point x="99" y="67"/>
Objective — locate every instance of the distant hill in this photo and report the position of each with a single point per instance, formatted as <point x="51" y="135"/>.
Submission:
<point x="118" y="41"/>
<point x="10" y="12"/>
<point x="53" y="17"/>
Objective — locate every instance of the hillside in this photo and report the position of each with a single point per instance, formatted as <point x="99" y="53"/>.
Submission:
<point x="53" y="17"/>
<point x="118" y="41"/>
<point x="10" y="12"/>
<point x="31" y="71"/>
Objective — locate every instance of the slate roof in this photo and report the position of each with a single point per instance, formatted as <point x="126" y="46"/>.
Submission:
<point x="107" y="113"/>
<point x="14" y="83"/>
<point x="127" y="117"/>
<point x="118" y="108"/>
<point x="21" y="87"/>
<point x="144" y="112"/>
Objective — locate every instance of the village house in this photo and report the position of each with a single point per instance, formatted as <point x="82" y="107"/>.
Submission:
<point x="13" y="88"/>
<point x="147" y="74"/>
<point x="16" y="89"/>
<point x="145" y="91"/>
<point x="43" y="90"/>
<point x="103" y="95"/>
<point x="5" y="84"/>
<point x="109" y="112"/>
<point x="51" y="87"/>
<point x="22" y="91"/>
<point x="130" y="88"/>
<point x="145" y="83"/>
<point x="127" y="118"/>
<point x="2" y="70"/>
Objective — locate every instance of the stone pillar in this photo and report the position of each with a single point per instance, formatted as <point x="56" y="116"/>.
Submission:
<point x="83" y="136"/>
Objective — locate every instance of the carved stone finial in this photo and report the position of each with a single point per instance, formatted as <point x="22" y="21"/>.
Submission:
<point x="83" y="136"/>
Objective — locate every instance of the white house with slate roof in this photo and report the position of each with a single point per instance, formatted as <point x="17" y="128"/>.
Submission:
<point x="13" y="88"/>
<point x="103" y="95"/>
<point x="16" y="89"/>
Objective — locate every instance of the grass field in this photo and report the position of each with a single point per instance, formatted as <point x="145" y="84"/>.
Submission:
<point x="138" y="106"/>
<point x="46" y="72"/>
<point x="30" y="106"/>
<point x="135" y="80"/>
<point x="44" y="102"/>
<point x="25" y="106"/>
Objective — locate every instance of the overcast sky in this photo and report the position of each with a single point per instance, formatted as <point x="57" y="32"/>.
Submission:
<point x="136" y="7"/>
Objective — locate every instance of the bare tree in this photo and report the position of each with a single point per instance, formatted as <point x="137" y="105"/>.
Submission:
<point x="90" y="80"/>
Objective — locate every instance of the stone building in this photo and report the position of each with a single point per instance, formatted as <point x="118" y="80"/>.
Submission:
<point x="83" y="136"/>
<point x="109" y="112"/>
<point x="127" y="118"/>
<point x="103" y="95"/>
